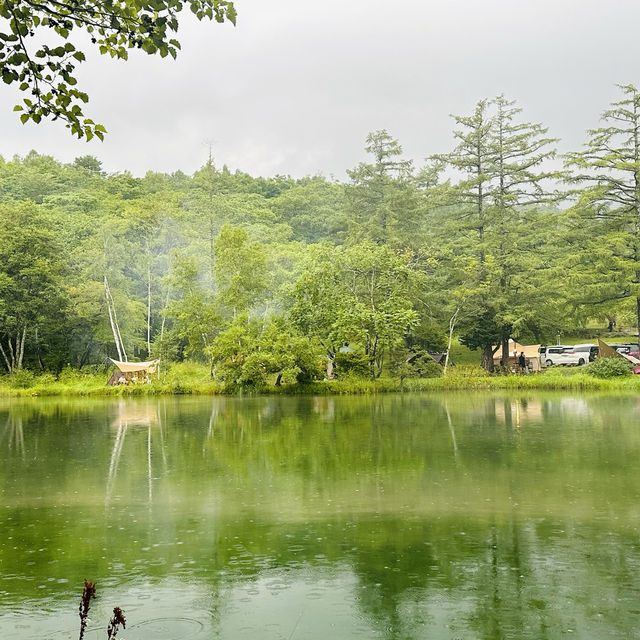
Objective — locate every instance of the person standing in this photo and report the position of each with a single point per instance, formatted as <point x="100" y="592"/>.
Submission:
<point x="522" y="363"/>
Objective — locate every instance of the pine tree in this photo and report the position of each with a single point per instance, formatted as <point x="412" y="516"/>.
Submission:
<point x="607" y="214"/>
<point x="493" y="213"/>
<point x="382" y="200"/>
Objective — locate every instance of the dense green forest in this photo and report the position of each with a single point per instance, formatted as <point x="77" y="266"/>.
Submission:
<point x="500" y="238"/>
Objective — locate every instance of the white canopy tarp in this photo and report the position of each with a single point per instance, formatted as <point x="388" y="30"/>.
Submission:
<point x="129" y="367"/>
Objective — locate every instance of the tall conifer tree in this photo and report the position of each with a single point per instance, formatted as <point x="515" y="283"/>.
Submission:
<point x="608" y="211"/>
<point x="493" y="214"/>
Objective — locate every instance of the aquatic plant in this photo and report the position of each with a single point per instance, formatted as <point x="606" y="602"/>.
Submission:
<point x="115" y="622"/>
<point x="88" y="593"/>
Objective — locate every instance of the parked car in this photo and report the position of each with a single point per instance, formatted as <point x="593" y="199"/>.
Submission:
<point x="577" y="354"/>
<point x="590" y="350"/>
<point x="553" y="355"/>
<point x="629" y="349"/>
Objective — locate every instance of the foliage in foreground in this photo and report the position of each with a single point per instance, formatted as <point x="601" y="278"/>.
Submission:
<point x="609" y="367"/>
<point x="47" y="72"/>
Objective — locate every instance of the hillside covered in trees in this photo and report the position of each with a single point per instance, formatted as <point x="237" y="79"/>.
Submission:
<point x="498" y="239"/>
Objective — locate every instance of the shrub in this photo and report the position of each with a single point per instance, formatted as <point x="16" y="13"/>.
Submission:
<point x="416" y="365"/>
<point x="71" y="376"/>
<point x="423" y="366"/>
<point x="352" y="363"/>
<point x="609" y="367"/>
<point x="22" y="379"/>
<point x="188" y="372"/>
<point x="247" y="353"/>
<point x="253" y="370"/>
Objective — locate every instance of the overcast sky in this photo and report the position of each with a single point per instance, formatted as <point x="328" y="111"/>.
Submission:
<point x="296" y="86"/>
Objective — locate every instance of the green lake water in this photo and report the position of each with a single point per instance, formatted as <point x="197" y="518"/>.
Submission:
<point x="313" y="518"/>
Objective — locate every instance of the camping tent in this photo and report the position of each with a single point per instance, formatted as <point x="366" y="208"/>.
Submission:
<point x="132" y="372"/>
<point x="531" y="354"/>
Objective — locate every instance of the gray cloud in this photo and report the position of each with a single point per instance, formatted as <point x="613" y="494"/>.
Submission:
<point x="296" y="86"/>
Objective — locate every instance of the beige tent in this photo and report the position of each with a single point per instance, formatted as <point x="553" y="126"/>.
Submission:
<point x="132" y="372"/>
<point x="531" y="354"/>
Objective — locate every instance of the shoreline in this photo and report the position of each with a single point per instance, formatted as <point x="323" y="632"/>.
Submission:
<point x="471" y="379"/>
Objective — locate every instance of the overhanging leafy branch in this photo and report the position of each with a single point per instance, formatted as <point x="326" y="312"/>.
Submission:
<point x="48" y="73"/>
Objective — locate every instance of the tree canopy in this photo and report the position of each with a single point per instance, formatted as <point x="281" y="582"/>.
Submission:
<point x="290" y="279"/>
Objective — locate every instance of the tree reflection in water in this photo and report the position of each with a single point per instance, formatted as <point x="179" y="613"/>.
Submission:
<point x="435" y="516"/>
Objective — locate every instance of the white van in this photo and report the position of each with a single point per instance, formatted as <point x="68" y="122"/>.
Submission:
<point x="577" y="354"/>
<point x="553" y="355"/>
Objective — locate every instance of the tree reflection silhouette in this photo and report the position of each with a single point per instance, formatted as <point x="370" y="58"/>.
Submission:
<point x="485" y="516"/>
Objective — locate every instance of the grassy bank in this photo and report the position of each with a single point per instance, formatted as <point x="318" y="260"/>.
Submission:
<point x="191" y="378"/>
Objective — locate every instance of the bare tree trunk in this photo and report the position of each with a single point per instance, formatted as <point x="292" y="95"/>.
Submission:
<point x="113" y="318"/>
<point x="331" y="363"/>
<point x="21" y="351"/>
<point x="12" y="353"/>
<point x="113" y="326"/>
<point x="38" y="354"/>
<point x="452" y="326"/>
<point x="6" y="360"/>
<point x="148" y="310"/>
<point x="504" y="361"/>
<point x="164" y="316"/>
<point x="487" y="358"/>
<point x="85" y="354"/>
<point x="164" y="320"/>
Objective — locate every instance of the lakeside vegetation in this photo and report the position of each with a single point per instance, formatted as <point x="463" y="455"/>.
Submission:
<point x="311" y="284"/>
<point x="195" y="379"/>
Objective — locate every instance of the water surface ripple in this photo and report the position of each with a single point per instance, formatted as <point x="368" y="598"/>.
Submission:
<point x="437" y="516"/>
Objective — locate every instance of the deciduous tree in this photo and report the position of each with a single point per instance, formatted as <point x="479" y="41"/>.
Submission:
<point x="359" y="294"/>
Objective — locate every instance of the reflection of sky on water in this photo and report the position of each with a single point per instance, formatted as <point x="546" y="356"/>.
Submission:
<point x="435" y="516"/>
<point x="315" y="603"/>
<point x="303" y="603"/>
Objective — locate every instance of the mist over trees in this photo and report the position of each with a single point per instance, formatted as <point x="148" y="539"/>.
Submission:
<point x="303" y="278"/>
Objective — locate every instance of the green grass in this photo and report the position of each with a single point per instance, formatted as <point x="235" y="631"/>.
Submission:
<point x="195" y="379"/>
<point x="617" y="339"/>
<point x="461" y="355"/>
<point x="182" y="378"/>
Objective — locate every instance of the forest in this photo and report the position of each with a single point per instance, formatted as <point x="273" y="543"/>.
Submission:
<point x="294" y="280"/>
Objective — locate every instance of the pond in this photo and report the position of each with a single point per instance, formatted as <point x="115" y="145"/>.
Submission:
<point x="400" y="516"/>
